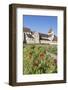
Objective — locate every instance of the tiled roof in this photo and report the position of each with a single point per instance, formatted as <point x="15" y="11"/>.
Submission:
<point x="43" y="35"/>
<point x="25" y="29"/>
<point x="29" y="35"/>
<point x="44" y="39"/>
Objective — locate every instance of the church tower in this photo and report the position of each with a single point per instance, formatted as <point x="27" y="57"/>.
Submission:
<point x="50" y="34"/>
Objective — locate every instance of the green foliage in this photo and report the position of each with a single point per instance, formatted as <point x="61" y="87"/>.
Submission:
<point x="37" y="60"/>
<point x="53" y="49"/>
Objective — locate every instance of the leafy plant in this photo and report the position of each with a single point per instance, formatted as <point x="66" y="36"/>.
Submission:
<point x="38" y="59"/>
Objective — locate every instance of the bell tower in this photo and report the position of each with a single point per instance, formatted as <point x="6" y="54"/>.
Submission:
<point x="50" y="34"/>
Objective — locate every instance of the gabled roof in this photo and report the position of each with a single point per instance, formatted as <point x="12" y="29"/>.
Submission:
<point x="43" y="35"/>
<point x="25" y="29"/>
<point x="44" y="39"/>
<point x="29" y="35"/>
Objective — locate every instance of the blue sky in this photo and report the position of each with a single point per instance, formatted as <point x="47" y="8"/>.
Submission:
<point x="41" y="23"/>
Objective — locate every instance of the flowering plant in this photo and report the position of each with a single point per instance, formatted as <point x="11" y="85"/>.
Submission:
<point x="39" y="59"/>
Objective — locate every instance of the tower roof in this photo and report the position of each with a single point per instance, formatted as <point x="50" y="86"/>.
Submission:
<point x="50" y="30"/>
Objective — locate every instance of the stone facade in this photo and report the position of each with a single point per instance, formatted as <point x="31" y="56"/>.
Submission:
<point x="36" y="37"/>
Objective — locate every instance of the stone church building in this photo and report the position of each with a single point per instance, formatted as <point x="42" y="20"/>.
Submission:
<point x="30" y="37"/>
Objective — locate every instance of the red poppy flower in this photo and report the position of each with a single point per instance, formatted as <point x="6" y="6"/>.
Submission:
<point x="55" y="61"/>
<point x="30" y="55"/>
<point x="36" y="62"/>
<point x="42" y="55"/>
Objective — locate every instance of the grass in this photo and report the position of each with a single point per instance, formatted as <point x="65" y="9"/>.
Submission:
<point x="39" y="59"/>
